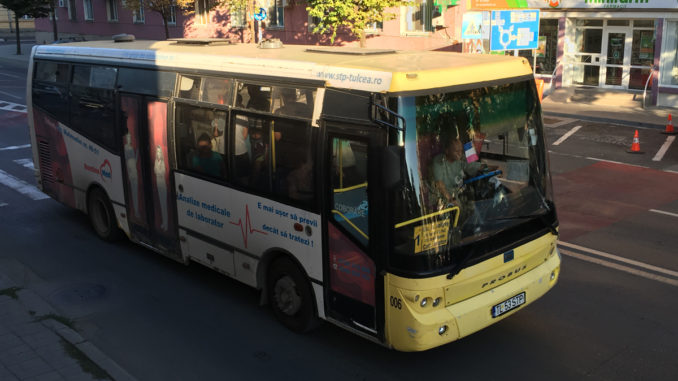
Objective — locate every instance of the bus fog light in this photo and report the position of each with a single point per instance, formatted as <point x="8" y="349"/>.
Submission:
<point x="553" y="275"/>
<point x="442" y="330"/>
<point x="424" y="302"/>
<point x="436" y="302"/>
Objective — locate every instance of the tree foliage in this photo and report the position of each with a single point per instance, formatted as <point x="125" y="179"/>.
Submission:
<point x="354" y="15"/>
<point x="30" y="8"/>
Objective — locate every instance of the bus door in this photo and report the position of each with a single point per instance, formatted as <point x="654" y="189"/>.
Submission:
<point x="150" y="213"/>
<point x="352" y="292"/>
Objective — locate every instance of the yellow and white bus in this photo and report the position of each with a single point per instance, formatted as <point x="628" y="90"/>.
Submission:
<point x="404" y="196"/>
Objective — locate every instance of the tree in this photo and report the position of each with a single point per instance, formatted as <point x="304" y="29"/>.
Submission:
<point x="160" y="6"/>
<point x="21" y="8"/>
<point x="246" y="6"/>
<point x="355" y="15"/>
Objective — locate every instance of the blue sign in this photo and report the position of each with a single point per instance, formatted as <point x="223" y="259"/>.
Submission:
<point x="517" y="29"/>
<point x="261" y="15"/>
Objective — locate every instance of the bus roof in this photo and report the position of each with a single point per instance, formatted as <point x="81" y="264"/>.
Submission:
<point x="349" y="68"/>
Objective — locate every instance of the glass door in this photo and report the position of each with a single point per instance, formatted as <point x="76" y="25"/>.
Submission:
<point x="587" y="59"/>
<point x="614" y="71"/>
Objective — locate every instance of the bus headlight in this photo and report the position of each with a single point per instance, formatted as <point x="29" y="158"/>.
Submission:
<point x="442" y="330"/>
<point x="436" y="301"/>
<point x="424" y="302"/>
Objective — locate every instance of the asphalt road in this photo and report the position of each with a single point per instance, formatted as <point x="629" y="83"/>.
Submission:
<point x="611" y="317"/>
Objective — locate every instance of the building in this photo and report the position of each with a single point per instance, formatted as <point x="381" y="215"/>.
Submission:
<point x="611" y="44"/>
<point x="7" y="23"/>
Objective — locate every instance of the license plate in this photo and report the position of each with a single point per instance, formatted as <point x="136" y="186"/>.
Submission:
<point x="508" y="305"/>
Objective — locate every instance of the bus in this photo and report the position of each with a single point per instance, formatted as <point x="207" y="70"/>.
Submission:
<point x="402" y="195"/>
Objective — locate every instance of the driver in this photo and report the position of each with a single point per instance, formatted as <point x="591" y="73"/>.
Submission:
<point x="449" y="169"/>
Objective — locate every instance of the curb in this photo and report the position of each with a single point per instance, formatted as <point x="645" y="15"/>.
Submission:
<point x="605" y="120"/>
<point x="31" y="301"/>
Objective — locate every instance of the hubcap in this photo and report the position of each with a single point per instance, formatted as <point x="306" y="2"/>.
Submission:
<point x="286" y="296"/>
<point x="100" y="216"/>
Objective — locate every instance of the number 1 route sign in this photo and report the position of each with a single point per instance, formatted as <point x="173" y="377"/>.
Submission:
<point x="515" y="29"/>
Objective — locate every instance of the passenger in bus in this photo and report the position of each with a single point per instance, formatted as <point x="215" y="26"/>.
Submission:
<point x="291" y="106"/>
<point x="449" y="170"/>
<point x="300" y="181"/>
<point x="207" y="161"/>
<point x="260" y="147"/>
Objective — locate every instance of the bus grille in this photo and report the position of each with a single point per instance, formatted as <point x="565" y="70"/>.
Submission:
<point x="44" y="155"/>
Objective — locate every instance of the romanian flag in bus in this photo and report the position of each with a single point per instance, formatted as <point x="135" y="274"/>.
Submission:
<point x="470" y="152"/>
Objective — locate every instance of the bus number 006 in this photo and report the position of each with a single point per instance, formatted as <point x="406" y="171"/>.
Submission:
<point x="396" y="302"/>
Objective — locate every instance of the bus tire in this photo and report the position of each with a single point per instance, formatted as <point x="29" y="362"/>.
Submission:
<point x="290" y="296"/>
<point x="102" y="216"/>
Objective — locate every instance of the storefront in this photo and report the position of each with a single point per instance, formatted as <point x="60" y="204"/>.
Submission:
<point x="611" y="44"/>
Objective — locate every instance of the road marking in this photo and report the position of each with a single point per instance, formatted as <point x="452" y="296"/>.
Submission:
<point x="27" y="163"/>
<point x="623" y="268"/>
<point x="9" y="106"/>
<point x="3" y="204"/>
<point x="567" y="135"/>
<point x="616" y="162"/>
<point x="21" y="186"/>
<point x="563" y="121"/>
<point x="664" y="148"/>
<point x="10" y="95"/>
<point x="620" y="259"/>
<point x="11" y="76"/>
<point x="14" y="147"/>
<point x="663" y="212"/>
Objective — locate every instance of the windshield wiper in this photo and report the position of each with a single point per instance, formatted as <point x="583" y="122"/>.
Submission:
<point x="540" y="216"/>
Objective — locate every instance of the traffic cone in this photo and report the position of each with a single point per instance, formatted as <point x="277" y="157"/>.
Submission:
<point x="669" y="127"/>
<point x="635" y="146"/>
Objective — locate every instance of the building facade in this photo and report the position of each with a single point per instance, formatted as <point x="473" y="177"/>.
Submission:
<point x="613" y="44"/>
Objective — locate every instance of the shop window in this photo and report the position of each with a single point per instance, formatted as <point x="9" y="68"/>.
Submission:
<point x="643" y="23"/>
<point x="586" y="22"/>
<point x="669" y="66"/>
<point x="618" y="22"/>
<point x="642" y="48"/>
<point x="200" y="139"/>
<point x="546" y="53"/>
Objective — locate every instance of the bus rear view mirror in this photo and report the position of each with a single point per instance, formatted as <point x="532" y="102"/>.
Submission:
<point x="392" y="164"/>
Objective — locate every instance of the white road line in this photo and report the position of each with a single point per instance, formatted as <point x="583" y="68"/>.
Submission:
<point x="623" y="268"/>
<point x="14" y="147"/>
<point x="11" y="76"/>
<point x="620" y="259"/>
<point x="10" y="95"/>
<point x="664" y="148"/>
<point x="21" y="186"/>
<point x="663" y="212"/>
<point x="567" y="135"/>
<point x="616" y="162"/>
<point x="27" y="163"/>
<point x="3" y="204"/>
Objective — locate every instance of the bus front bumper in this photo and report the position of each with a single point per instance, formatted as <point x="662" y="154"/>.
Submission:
<point x="411" y="330"/>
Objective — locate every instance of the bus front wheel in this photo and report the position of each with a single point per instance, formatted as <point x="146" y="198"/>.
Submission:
<point x="290" y="296"/>
<point x="101" y="216"/>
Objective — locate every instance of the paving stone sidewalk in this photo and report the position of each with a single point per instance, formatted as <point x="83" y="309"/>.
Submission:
<point x="36" y="344"/>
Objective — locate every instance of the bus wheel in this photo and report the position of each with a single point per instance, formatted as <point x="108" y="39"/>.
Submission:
<point x="290" y="296"/>
<point x="101" y="216"/>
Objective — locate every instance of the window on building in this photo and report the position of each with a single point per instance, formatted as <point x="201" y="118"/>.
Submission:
<point x="88" y="12"/>
<point x="72" y="14"/>
<point x="202" y="11"/>
<point x="112" y="10"/>
<point x="237" y="18"/>
<point x="138" y="15"/>
<point x="172" y="19"/>
<point x="418" y="17"/>
<point x="275" y="10"/>
<point x="669" y="66"/>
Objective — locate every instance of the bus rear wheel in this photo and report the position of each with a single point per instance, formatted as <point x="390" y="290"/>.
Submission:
<point x="290" y="296"/>
<point x="101" y="216"/>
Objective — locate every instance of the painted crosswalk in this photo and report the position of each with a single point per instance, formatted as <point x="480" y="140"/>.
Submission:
<point x="21" y="186"/>
<point x="9" y="106"/>
<point x="26" y="163"/>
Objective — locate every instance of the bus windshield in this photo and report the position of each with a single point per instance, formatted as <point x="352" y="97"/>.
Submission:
<point x="475" y="176"/>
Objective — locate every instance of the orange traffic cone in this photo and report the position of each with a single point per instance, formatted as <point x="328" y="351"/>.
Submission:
<point x="669" y="127"/>
<point x="635" y="146"/>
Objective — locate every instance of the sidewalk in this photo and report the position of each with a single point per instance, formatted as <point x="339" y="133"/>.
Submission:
<point x="38" y="344"/>
<point x="8" y="54"/>
<point x="607" y="106"/>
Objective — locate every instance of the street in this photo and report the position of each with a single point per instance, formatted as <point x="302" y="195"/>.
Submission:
<point x="611" y="316"/>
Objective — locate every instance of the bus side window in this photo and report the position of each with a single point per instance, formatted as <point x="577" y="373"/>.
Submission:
<point x="50" y="91"/>
<point x="251" y="150"/>
<point x="293" y="102"/>
<point x="199" y="135"/>
<point x="189" y="87"/>
<point x="217" y="90"/>
<point x="92" y="106"/>
<point x="293" y="165"/>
